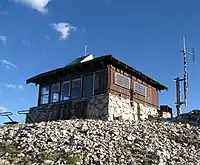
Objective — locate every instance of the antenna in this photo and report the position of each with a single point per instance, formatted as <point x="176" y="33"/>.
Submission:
<point x="184" y="79"/>
<point x="85" y="50"/>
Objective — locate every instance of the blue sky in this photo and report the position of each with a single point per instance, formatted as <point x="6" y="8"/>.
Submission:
<point x="41" y="35"/>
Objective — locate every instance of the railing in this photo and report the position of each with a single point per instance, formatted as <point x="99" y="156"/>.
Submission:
<point x="25" y="112"/>
<point x="8" y="114"/>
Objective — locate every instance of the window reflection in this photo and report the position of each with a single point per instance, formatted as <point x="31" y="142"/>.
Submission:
<point x="88" y="85"/>
<point x="100" y="82"/>
<point x="44" y="99"/>
<point x="76" y="88"/>
<point x="55" y="92"/>
<point x="65" y="90"/>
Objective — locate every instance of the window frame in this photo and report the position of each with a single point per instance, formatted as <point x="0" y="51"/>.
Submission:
<point x="41" y="95"/>
<point x="52" y="93"/>
<point x="61" y="89"/>
<point x="138" y="92"/>
<point x="70" y="80"/>
<point x="123" y="76"/>
<point x="105" y="81"/>
<point x="81" y="91"/>
<point x="83" y="87"/>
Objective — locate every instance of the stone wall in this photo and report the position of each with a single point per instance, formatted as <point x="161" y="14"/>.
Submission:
<point x="121" y="108"/>
<point x="104" y="107"/>
<point x="93" y="108"/>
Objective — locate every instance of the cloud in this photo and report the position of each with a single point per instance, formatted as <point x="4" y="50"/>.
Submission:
<point x="20" y="87"/>
<point x="3" y="109"/>
<point x="3" y="39"/>
<point x="10" y="85"/>
<point x="63" y="28"/>
<point x="14" y="86"/>
<point x="39" y="5"/>
<point x="8" y="64"/>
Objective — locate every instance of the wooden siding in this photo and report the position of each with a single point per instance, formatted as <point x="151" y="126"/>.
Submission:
<point x="151" y="98"/>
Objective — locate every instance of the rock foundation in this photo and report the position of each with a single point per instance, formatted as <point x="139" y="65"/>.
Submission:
<point x="121" y="108"/>
<point x="104" y="107"/>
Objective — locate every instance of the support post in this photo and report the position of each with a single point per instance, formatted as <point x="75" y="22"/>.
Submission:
<point x="178" y="96"/>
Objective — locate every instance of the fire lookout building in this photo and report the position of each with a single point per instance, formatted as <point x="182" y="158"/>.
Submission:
<point x="95" y="88"/>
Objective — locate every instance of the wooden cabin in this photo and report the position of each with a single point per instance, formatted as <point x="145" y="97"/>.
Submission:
<point x="95" y="88"/>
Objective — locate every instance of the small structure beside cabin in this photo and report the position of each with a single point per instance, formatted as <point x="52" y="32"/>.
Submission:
<point x="95" y="88"/>
<point x="165" y="111"/>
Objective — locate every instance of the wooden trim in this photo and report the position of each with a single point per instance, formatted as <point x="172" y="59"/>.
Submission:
<point x="93" y="83"/>
<point x="70" y="88"/>
<point x="39" y="95"/>
<point x="109" y="78"/>
<point x="59" y="93"/>
<point x="49" y="99"/>
<point x="82" y="79"/>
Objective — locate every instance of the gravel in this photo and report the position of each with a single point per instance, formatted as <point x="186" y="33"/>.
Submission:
<point x="100" y="142"/>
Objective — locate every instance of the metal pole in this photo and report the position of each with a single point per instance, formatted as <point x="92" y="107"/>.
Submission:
<point x="185" y="72"/>
<point x="10" y="118"/>
<point x="178" y="97"/>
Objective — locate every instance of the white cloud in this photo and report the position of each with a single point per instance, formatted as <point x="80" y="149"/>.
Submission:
<point x="3" y="109"/>
<point x="8" y="64"/>
<point x="64" y="28"/>
<point x="14" y="86"/>
<point x="11" y="85"/>
<point x="39" y="5"/>
<point x="20" y="87"/>
<point x="3" y="39"/>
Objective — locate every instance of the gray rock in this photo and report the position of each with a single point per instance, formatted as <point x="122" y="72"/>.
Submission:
<point x="102" y="142"/>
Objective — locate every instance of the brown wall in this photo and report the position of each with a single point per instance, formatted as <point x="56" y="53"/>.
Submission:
<point x="151" y="95"/>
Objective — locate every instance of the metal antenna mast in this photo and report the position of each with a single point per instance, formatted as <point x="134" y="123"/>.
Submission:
<point x="184" y="79"/>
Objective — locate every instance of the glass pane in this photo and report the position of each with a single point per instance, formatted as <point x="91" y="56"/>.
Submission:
<point x="54" y="97"/>
<point x="45" y="90"/>
<point x="65" y="88"/>
<point x="88" y="85"/>
<point x="100" y="82"/>
<point x="64" y="96"/>
<point x="44" y="99"/>
<point x="76" y="88"/>
<point x="55" y="88"/>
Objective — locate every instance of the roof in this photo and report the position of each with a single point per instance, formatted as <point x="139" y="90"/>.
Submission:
<point x="81" y="59"/>
<point x="108" y="59"/>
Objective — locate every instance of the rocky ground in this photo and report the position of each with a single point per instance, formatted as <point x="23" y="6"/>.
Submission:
<point x="99" y="142"/>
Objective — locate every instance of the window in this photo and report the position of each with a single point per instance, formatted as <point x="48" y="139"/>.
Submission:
<point x="76" y="88"/>
<point x="100" y="82"/>
<point x="44" y="98"/>
<point x="65" y="90"/>
<point x="140" y="89"/>
<point x="122" y="80"/>
<point x="55" y="92"/>
<point x="88" y="85"/>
